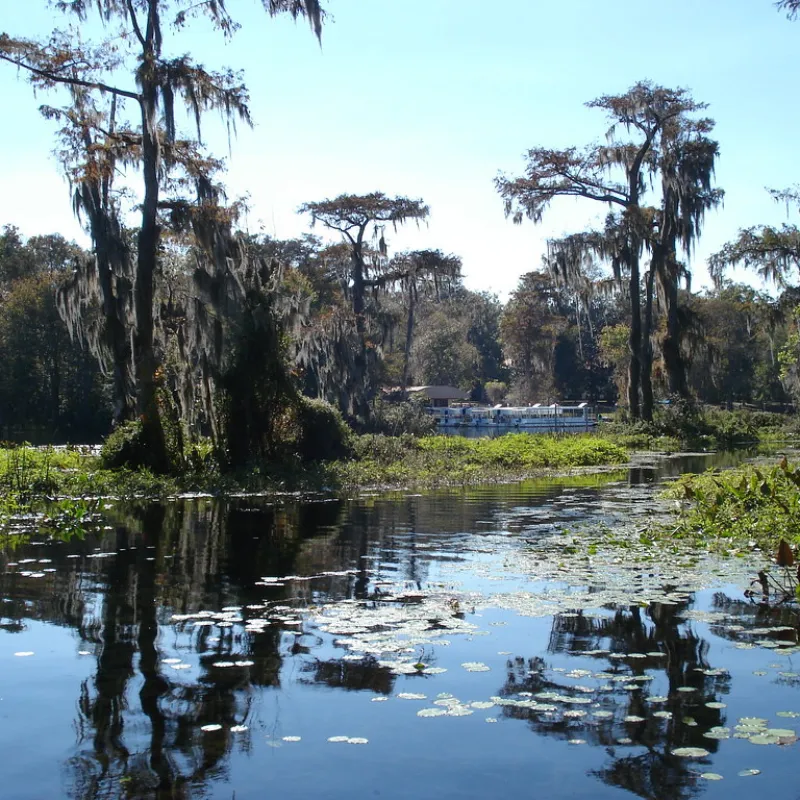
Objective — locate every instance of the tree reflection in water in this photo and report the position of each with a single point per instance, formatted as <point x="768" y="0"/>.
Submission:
<point x="140" y="722"/>
<point x="653" y="773"/>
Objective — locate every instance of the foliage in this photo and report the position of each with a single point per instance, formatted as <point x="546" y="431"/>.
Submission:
<point x="495" y="391"/>
<point x="125" y="446"/>
<point x="745" y="507"/>
<point x="322" y="434"/>
<point x="403" y="417"/>
<point x="530" y="328"/>
<point x="455" y="460"/>
<point x="681" y="423"/>
<point x="442" y="352"/>
<point x="50" y="389"/>
<point x="614" y="352"/>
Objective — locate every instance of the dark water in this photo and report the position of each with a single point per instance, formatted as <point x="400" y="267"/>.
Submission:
<point x="305" y="620"/>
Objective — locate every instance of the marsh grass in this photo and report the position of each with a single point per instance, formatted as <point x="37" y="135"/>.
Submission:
<point x="454" y="460"/>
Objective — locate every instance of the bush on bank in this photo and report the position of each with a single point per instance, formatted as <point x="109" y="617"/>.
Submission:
<point x="682" y="424"/>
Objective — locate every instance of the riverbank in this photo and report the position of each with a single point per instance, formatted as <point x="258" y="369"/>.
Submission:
<point x="687" y="427"/>
<point x="28" y="473"/>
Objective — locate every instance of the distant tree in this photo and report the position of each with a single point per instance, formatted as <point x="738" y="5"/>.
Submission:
<point x="361" y="220"/>
<point x="773" y="252"/>
<point x="495" y="391"/>
<point x="529" y="330"/>
<point x="50" y="388"/>
<point x="614" y="352"/>
<point x="484" y="312"/>
<point x="15" y="261"/>
<point x="441" y="353"/>
<point x="420" y="272"/>
<point x="615" y="174"/>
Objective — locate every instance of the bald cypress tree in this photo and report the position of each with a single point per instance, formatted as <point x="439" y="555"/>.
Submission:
<point x="647" y="122"/>
<point x="112" y="125"/>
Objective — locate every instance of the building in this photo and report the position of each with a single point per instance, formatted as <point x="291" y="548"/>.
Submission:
<point x="438" y="396"/>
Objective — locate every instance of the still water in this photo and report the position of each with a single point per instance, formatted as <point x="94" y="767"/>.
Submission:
<point x="504" y="640"/>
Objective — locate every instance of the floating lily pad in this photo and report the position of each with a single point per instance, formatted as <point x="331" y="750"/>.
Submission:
<point x="432" y="712"/>
<point x="763" y="738"/>
<point x="690" y="752"/>
<point x="475" y="666"/>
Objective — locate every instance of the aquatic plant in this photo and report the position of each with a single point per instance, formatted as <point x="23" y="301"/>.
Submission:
<point x="750" y="506"/>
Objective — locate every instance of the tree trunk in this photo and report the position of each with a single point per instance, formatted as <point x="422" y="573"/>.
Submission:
<point x="673" y="360"/>
<point x="360" y="402"/>
<point x="635" y="340"/>
<point x="114" y="328"/>
<point x="412" y="298"/>
<point x="144" y="357"/>
<point x="647" y="349"/>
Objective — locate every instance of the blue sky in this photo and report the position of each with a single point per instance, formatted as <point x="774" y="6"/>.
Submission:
<point x="432" y="98"/>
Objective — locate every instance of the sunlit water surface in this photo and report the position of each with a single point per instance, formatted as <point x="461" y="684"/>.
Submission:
<point x="513" y="640"/>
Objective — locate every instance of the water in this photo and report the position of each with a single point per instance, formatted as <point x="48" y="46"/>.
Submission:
<point x="180" y="650"/>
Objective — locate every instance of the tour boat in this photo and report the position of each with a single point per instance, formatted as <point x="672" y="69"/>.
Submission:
<point x="555" y="417"/>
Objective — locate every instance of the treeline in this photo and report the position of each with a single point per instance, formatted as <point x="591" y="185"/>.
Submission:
<point x="546" y="342"/>
<point x="51" y="388"/>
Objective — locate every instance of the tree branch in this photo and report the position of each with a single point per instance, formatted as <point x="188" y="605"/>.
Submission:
<point x="135" y="24"/>
<point x="49" y="76"/>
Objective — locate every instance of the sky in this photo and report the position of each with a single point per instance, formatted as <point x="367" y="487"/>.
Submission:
<point x="433" y="99"/>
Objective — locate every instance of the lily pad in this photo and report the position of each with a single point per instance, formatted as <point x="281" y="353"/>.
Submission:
<point x="690" y="752"/>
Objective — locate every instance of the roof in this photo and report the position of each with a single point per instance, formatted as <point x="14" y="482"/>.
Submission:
<point x="439" y="392"/>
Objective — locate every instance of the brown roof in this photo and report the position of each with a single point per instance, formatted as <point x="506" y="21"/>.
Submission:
<point x="439" y="392"/>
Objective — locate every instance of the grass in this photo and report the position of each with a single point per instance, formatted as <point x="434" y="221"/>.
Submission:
<point x="27" y="473"/>
<point x="454" y="460"/>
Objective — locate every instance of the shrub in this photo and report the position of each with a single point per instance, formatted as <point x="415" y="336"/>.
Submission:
<point x="383" y="449"/>
<point x="744" y="506"/>
<point x="322" y="434"/>
<point x="405" y="417"/>
<point x="125" y="446"/>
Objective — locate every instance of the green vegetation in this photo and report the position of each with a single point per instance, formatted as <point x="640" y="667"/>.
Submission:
<point x="683" y="425"/>
<point x="453" y="460"/>
<point x="32" y="475"/>
<point x="739" y="509"/>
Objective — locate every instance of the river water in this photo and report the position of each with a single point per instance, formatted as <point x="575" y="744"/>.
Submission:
<point x="520" y="639"/>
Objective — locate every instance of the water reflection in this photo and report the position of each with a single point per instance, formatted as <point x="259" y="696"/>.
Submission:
<point x="629" y="649"/>
<point x="198" y="614"/>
